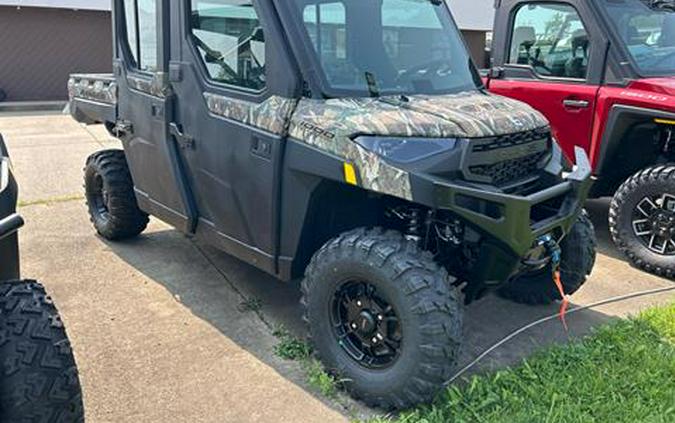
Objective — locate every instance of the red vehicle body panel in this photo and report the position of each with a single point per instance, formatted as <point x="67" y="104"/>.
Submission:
<point x="585" y="126"/>
<point x="571" y="125"/>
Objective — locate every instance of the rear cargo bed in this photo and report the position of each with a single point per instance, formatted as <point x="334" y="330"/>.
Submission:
<point x="93" y="98"/>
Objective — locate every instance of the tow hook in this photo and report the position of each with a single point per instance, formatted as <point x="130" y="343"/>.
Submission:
<point x="555" y="252"/>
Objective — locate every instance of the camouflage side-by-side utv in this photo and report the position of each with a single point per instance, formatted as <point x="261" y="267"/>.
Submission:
<point x="38" y="375"/>
<point x="347" y="142"/>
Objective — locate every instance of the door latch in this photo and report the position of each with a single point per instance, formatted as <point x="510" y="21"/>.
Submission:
<point x="184" y="141"/>
<point x="576" y="104"/>
<point x="261" y="148"/>
<point x="122" y="128"/>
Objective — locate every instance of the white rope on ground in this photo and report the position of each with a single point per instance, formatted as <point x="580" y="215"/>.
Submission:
<point x="552" y="317"/>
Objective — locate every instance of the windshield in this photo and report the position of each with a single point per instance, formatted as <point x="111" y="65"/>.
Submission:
<point x="386" y="47"/>
<point x="647" y="29"/>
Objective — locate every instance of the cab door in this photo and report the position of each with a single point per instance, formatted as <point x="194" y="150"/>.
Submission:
<point x="235" y="119"/>
<point x="145" y="106"/>
<point x="553" y="58"/>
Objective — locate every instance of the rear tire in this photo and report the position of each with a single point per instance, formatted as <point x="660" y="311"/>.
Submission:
<point x="635" y="210"/>
<point x="402" y="286"/>
<point x="39" y="380"/>
<point x="578" y="258"/>
<point x="110" y="196"/>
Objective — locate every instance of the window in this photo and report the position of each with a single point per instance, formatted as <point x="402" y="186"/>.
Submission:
<point x="416" y="50"/>
<point x="141" y="23"/>
<point x="552" y="39"/>
<point x="326" y="25"/>
<point x="230" y="40"/>
<point x="648" y="33"/>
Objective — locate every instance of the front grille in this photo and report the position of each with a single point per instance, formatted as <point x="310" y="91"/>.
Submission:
<point x="506" y="159"/>
<point x="511" y="170"/>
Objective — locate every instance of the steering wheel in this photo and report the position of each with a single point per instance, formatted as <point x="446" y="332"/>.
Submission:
<point x="430" y="67"/>
<point x="536" y="63"/>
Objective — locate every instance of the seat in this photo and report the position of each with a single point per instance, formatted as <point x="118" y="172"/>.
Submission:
<point x="523" y="36"/>
<point x="577" y="65"/>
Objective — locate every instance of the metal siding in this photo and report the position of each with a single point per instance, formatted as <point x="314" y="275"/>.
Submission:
<point x="64" y="4"/>
<point x="40" y="47"/>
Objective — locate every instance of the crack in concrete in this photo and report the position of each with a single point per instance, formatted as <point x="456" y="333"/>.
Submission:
<point x="231" y="285"/>
<point x="51" y="201"/>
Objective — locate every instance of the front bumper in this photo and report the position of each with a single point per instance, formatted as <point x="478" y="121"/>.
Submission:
<point x="512" y="224"/>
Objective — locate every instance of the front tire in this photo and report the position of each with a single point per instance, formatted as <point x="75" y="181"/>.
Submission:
<point x="383" y="317"/>
<point x="39" y="379"/>
<point x="642" y="220"/>
<point x="110" y="196"/>
<point x="577" y="261"/>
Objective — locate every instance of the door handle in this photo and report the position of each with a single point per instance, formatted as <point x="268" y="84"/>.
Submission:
<point x="184" y="141"/>
<point x="576" y="104"/>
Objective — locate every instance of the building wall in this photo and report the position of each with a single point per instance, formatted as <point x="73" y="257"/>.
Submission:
<point x="475" y="41"/>
<point x="40" y="47"/>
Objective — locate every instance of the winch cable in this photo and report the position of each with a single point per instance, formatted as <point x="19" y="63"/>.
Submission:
<point x="529" y="326"/>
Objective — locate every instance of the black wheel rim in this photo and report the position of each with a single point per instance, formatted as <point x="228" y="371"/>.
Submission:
<point x="98" y="196"/>
<point x="366" y="325"/>
<point x="654" y="223"/>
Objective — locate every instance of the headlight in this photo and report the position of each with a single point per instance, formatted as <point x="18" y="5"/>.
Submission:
<point x="406" y="150"/>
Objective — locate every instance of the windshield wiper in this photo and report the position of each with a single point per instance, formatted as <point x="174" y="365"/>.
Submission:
<point x="373" y="90"/>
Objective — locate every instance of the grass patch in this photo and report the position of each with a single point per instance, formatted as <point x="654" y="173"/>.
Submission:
<point x="624" y="372"/>
<point x="291" y="348"/>
<point x="319" y="379"/>
<point x="250" y="304"/>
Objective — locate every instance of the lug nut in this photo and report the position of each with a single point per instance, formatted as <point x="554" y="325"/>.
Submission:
<point x="354" y="326"/>
<point x="380" y="317"/>
<point x="374" y="340"/>
<point x="359" y="303"/>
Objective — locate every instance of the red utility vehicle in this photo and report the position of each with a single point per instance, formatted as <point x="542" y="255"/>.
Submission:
<point x="603" y="73"/>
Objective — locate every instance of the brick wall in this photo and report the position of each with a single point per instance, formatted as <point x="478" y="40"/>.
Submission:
<point x="40" y="47"/>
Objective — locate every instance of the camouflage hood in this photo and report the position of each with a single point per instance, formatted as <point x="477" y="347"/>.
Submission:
<point x="331" y="124"/>
<point x="466" y="115"/>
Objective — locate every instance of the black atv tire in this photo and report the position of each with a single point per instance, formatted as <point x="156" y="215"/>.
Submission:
<point x="110" y="196"/>
<point x="39" y="380"/>
<point x="652" y="182"/>
<point x="425" y="303"/>
<point x="577" y="262"/>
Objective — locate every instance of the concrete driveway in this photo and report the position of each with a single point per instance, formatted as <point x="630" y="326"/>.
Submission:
<point x="157" y="323"/>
